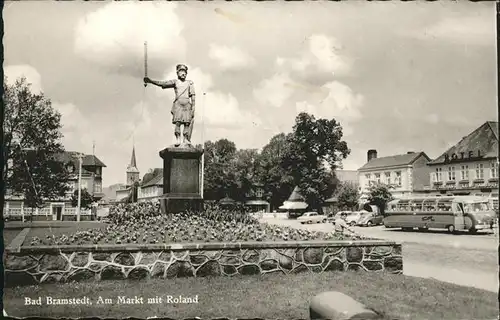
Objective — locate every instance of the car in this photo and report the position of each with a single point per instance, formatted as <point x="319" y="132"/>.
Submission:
<point x="312" y="217"/>
<point x="369" y="219"/>
<point x="353" y="218"/>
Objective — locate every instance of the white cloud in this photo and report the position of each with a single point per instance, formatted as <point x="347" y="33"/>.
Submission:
<point x="31" y="74"/>
<point x="77" y="129"/>
<point x="322" y="54"/>
<point x="113" y="36"/>
<point x="230" y="58"/>
<point x="274" y="91"/>
<point x="476" y="29"/>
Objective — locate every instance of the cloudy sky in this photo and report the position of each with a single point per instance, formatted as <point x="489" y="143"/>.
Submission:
<point x="398" y="76"/>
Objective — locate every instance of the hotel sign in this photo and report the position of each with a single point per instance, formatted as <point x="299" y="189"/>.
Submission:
<point x="461" y="156"/>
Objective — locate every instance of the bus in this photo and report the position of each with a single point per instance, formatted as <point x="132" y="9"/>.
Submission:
<point x="454" y="213"/>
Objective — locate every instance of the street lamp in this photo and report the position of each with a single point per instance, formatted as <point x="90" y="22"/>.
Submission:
<point x="78" y="209"/>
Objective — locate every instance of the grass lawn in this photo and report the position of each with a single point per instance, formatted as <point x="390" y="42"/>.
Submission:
<point x="269" y="296"/>
<point x="9" y="235"/>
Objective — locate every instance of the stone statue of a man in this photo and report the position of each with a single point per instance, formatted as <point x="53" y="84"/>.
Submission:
<point x="184" y="103"/>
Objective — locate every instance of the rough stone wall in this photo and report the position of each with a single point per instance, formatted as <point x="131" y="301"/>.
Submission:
<point x="44" y="266"/>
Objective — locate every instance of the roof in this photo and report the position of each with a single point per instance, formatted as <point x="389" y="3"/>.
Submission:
<point x="133" y="162"/>
<point x="155" y="178"/>
<point x="393" y="161"/>
<point x="87" y="160"/>
<point x="347" y="175"/>
<point x="295" y="196"/>
<point x="294" y="205"/>
<point x="257" y="203"/>
<point x="332" y="200"/>
<point x="484" y="139"/>
<point x="226" y="200"/>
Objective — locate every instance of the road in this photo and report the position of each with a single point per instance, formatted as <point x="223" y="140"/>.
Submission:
<point x="464" y="259"/>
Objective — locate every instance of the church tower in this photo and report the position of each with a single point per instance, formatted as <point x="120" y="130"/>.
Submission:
<point x="132" y="171"/>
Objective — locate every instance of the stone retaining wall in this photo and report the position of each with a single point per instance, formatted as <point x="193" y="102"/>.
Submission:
<point x="43" y="264"/>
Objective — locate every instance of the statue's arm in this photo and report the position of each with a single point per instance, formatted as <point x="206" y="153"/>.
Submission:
<point x="163" y="84"/>
<point x="192" y="94"/>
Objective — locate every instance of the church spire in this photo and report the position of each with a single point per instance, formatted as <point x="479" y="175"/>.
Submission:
<point x="133" y="162"/>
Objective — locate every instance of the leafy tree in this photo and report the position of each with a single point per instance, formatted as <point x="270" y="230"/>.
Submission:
<point x="246" y="167"/>
<point x="278" y="183"/>
<point x="379" y="194"/>
<point x="31" y="145"/>
<point x="219" y="173"/>
<point x="86" y="199"/>
<point x="314" y="150"/>
<point x="347" y="195"/>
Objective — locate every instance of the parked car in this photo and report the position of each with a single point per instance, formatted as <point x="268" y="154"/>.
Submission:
<point x="312" y="217"/>
<point x="353" y="218"/>
<point x="369" y="219"/>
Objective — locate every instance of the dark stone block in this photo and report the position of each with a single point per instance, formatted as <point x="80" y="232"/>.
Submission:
<point x="269" y="264"/>
<point x="335" y="251"/>
<point x="286" y="262"/>
<point x="210" y="268"/>
<point x="249" y="269"/>
<point x="316" y="269"/>
<point x="112" y="273"/>
<point x="313" y="255"/>
<point x="299" y="255"/>
<point x="229" y="270"/>
<point x="335" y="265"/>
<point x="13" y="262"/>
<point x="198" y="259"/>
<point x="180" y="269"/>
<point x="354" y="254"/>
<point x="251" y="256"/>
<point x="148" y="258"/>
<point x="158" y="270"/>
<point x="125" y="259"/>
<point x="138" y="273"/>
<point x="101" y="256"/>
<point x="373" y="265"/>
<point x="81" y="275"/>
<point x="232" y="260"/>
<point x="326" y="261"/>
<point x="53" y="263"/>
<point x="353" y="267"/>
<point x="397" y="250"/>
<point x="165" y="256"/>
<point x="301" y="268"/>
<point x="80" y="259"/>
<point x="382" y="250"/>
<point x="393" y="264"/>
<point x="14" y="279"/>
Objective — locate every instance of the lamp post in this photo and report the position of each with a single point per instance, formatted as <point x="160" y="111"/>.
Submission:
<point x="78" y="209"/>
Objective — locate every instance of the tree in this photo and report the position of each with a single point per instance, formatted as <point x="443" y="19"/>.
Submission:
<point x="86" y="199"/>
<point x="314" y="150"/>
<point x="31" y="145"/>
<point x="379" y="194"/>
<point x="347" y="195"/>
<point x="246" y="167"/>
<point x="219" y="180"/>
<point x="278" y="183"/>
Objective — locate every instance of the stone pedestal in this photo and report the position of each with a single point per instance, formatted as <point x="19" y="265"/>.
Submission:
<point x="182" y="179"/>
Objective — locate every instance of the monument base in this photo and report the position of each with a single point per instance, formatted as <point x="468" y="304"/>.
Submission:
<point x="182" y="177"/>
<point x="175" y="203"/>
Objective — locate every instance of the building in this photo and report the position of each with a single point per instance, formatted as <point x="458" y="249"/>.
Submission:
<point x="344" y="176"/>
<point x="151" y="187"/>
<point x="405" y="173"/>
<point x="255" y="199"/>
<point x="61" y="209"/>
<point x="470" y="167"/>
<point x="295" y="205"/>
<point x="132" y="176"/>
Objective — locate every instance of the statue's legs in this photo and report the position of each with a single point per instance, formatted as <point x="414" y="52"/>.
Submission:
<point x="188" y="130"/>
<point x="177" y="133"/>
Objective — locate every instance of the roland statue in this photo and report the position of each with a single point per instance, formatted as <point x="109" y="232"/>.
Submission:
<point x="183" y="106"/>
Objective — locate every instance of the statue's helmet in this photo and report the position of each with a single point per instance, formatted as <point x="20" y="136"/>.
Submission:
<point x="181" y="67"/>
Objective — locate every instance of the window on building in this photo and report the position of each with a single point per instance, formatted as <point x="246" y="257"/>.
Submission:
<point x="368" y="178"/>
<point x="451" y="173"/>
<point x="98" y="171"/>
<point x="439" y="174"/>
<point x="388" y="178"/>
<point x="85" y="184"/>
<point x="479" y="171"/>
<point x="464" y="174"/>
<point x="397" y="180"/>
<point x="377" y="177"/>
<point x="97" y="186"/>
<point x="259" y="193"/>
<point x="494" y="169"/>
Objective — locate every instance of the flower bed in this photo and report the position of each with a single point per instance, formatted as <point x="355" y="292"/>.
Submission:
<point x="142" y="223"/>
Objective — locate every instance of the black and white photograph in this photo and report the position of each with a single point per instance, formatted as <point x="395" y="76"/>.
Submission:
<point x="250" y="159"/>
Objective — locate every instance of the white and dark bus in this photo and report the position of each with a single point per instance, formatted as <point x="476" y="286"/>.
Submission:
<point x="454" y="213"/>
